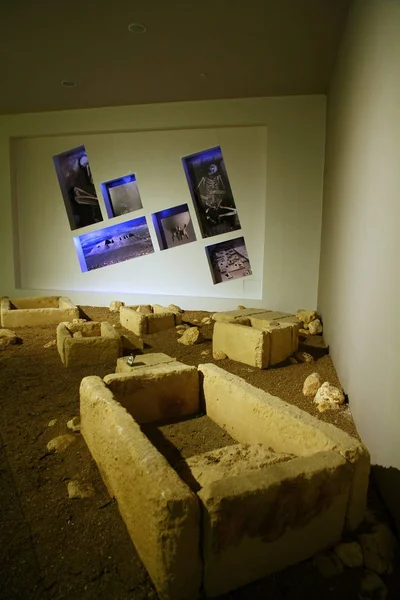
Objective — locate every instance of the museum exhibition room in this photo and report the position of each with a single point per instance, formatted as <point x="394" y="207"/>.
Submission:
<point x="199" y="295"/>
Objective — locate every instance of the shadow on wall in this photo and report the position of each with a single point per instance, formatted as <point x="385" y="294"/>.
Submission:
<point x="388" y="483"/>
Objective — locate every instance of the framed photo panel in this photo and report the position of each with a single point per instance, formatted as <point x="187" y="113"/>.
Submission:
<point x="228" y="260"/>
<point x="173" y="227"/>
<point x="121" y="196"/>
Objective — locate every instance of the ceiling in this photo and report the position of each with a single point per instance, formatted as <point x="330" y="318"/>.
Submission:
<point x="190" y="51"/>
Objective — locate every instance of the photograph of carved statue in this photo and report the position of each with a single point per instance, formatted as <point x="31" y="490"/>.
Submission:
<point x="121" y="196"/>
<point x="211" y="192"/>
<point x="228" y="260"/>
<point x="173" y="227"/>
<point x="77" y="187"/>
<point x="115" y="244"/>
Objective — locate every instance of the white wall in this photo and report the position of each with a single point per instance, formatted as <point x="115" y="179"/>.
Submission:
<point x="359" y="288"/>
<point x="280" y="139"/>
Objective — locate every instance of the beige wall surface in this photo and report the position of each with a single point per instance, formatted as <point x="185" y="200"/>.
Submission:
<point x="359" y="287"/>
<point x="281" y="203"/>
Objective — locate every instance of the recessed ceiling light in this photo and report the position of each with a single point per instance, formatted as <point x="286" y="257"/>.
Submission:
<point x="137" y="28"/>
<point x="69" y="84"/>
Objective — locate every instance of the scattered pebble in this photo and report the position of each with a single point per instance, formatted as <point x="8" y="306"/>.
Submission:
<point x="77" y="489"/>
<point x="50" y="344"/>
<point x="74" y="424"/>
<point x="60" y="443"/>
<point x="52" y="423"/>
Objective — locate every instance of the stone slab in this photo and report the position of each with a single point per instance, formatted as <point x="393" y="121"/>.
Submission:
<point x="164" y="391"/>
<point x="142" y="360"/>
<point x="159" y="510"/>
<point x="244" y="344"/>
<point x="99" y="343"/>
<point x="160" y="321"/>
<point x="230" y="316"/>
<point x="132" y="320"/>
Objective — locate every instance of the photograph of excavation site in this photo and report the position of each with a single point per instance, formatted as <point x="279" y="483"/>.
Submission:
<point x="200" y="404"/>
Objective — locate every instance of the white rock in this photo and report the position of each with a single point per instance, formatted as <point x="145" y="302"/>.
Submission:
<point x="77" y="489"/>
<point x="205" y="353"/>
<point x="304" y="357"/>
<point x="306" y="316"/>
<point x="115" y="305"/>
<point x="79" y="321"/>
<point x="61" y="443"/>
<point x="7" y="338"/>
<point x="206" y="321"/>
<point x="350" y="554"/>
<point x="52" y="423"/>
<point x="50" y="344"/>
<point x="372" y="587"/>
<point x="329" y="394"/>
<point x="74" y="424"/>
<point x="312" y="384"/>
<point x="378" y="548"/>
<point x="328" y="564"/>
<point x="219" y="355"/>
<point x="315" y="327"/>
<point x="191" y="336"/>
<point x="326" y="405"/>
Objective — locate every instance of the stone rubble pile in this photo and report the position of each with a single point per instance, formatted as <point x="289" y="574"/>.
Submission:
<point x="326" y="396"/>
<point x="310" y="323"/>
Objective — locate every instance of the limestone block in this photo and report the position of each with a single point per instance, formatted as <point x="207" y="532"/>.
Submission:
<point x="86" y="328"/>
<point x="244" y="344"/>
<point x="63" y="334"/>
<point x="174" y="308"/>
<point x="263" y="319"/>
<point x="37" y="312"/>
<point x="191" y="336"/>
<point x="90" y="351"/>
<point x="252" y="416"/>
<point x="107" y="331"/>
<point x="271" y="518"/>
<point x="142" y="360"/>
<point x="144" y="309"/>
<point x="156" y="393"/>
<point x="160" y="511"/>
<point x="311" y="384"/>
<point x="60" y="443"/>
<point x="158" y="322"/>
<point x="280" y="342"/>
<point x="115" y="305"/>
<point x="132" y="320"/>
<point x="230" y="316"/>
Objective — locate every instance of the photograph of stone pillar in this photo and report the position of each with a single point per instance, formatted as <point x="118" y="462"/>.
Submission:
<point x="77" y="187"/>
<point x="211" y="192"/>
<point x="173" y="227"/>
<point x="228" y="260"/>
<point x="112" y="245"/>
<point x="121" y="196"/>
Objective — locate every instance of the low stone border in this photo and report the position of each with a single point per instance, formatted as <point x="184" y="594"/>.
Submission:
<point x="36" y="312"/>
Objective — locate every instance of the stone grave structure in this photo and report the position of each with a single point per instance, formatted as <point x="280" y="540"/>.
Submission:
<point x="88" y="343"/>
<point x="36" y="312"/>
<point x="144" y="318"/>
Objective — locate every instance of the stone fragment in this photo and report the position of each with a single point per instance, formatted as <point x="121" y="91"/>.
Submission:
<point x="372" y="587"/>
<point x="174" y="308"/>
<point x="312" y="384"/>
<point x="303" y="331"/>
<point x="329" y="394"/>
<point x="50" y="344"/>
<point x="304" y="357"/>
<point x="61" y="443"/>
<point x="52" y="423"/>
<point x="326" y="405"/>
<point x="205" y="353"/>
<point x="315" y="327"/>
<point x="241" y="307"/>
<point x="77" y="334"/>
<point x="378" y="548"/>
<point x="144" y="309"/>
<point x="74" y="424"/>
<point x="206" y="321"/>
<point x="350" y="554"/>
<point x="7" y="338"/>
<point x="78" y="489"/>
<point x="115" y="305"/>
<point x="79" y="321"/>
<point x="306" y="316"/>
<point x="191" y="336"/>
<point x="219" y="355"/>
<point x="328" y="564"/>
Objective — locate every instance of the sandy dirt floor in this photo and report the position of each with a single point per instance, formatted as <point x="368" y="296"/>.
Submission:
<point x="54" y="547"/>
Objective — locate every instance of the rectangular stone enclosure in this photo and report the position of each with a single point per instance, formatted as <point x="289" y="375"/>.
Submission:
<point x="85" y="344"/>
<point x="297" y="486"/>
<point x="151" y="320"/>
<point x="36" y="312"/>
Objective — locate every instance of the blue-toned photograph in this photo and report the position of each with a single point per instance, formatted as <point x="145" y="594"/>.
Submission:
<point x="211" y="192"/>
<point x="121" y="196"/>
<point x="115" y="244"/>
<point x="173" y="227"/>
<point x="228" y="260"/>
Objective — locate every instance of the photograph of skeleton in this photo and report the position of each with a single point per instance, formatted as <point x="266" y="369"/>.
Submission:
<point x="211" y="192"/>
<point x="114" y="244"/>
<point x="77" y="187"/>
<point x="228" y="260"/>
<point x="173" y="227"/>
<point x="121" y="196"/>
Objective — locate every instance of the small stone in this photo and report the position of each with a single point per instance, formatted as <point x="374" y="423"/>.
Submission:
<point x="74" y="424"/>
<point x="115" y="306"/>
<point x="303" y="331"/>
<point x="174" y="308"/>
<point x="350" y="554"/>
<point x="378" y="548"/>
<point x="79" y="321"/>
<point x="144" y="309"/>
<point x="52" y="423"/>
<point x="219" y="355"/>
<point x="191" y="336"/>
<point x="7" y="338"/>
<point x="329" y="394"/>
<point x="61" y="443"/>
<point x="241" y="307"/>
<point x="315" y="327"/>
<point x="304" y="357"/>
<point x="50" y="344"/>
<point x="328" y="564"/>
<point x="205" y="353"/>
<point x="312" y="384"/>
<point x="77" y="490"/>
<point x="306" y="316"/>
<point x="372" y="587"/>
<point x="324" y="405"/>
<point x="206" y="321"/>
<point x="195" y="320"/>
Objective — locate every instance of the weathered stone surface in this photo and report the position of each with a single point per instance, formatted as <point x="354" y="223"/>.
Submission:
<point x="60" y="443"/>
<point x="205" y="353"/>
<point x="144" y="309"/>
<point x="74" y="424"/>
<point x="378" y="548"/>
<point x="315" y="327"/>
<point x="132" y="320"/>
<point x="328" y="564"/>
<point x="85" y="328"/>
<point x="50" y="344"/>
<point x="160" y="511"/>
<point x="304" y="357"/>
<point x="281" y="342"/>
<point x="270" y="518"/>
<point x="77" y="334"/>
<point x="231" y="316"/>
<point x="206" y="321"/>
<point x="219" y="355"/>
<point x="131" y="342"/>
<point x="312" y="384"/>
<point x="36" y="312"/>
<point x="174" y="308"/>
<point x="244" y="344"/>
<point x="241" y="307"/>
<point x="52" y="423"/>
<point x="350" y="554"/>
<point x="328" y="397"/>
<point x="78" y="489"/>
<point x="102" y="346"/>
<point x="142" y="360"/>
<point x="264" y="319"/>
<point x="191" y="336"/>
<point x="306" y="316"/>
<point x="231" y="461"/>
<point x="159" y="322"/>
<point x="156" y="393"/>
<point x="7" y="338"/>
<point x="372" y="587"/>
<point x="243" y="410"/>
<point x="115" y="305"/>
